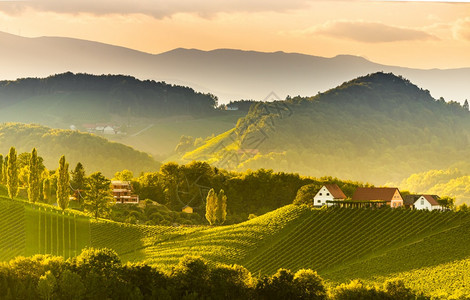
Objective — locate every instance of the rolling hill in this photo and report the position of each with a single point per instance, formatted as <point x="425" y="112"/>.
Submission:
<point x="341" y="244"/>
<point x="150" y="116"/>
<point x="228" y="73"/>
<point x="377" y="128"/>
<point x="95" y="153"/>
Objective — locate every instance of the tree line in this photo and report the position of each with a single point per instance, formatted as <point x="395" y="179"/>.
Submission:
<point x="93" y="191"/>
<point x="100" y="274"/>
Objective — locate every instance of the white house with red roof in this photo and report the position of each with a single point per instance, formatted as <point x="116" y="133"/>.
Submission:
<point x="328" y="192"/>
<point x="428" y="202"/>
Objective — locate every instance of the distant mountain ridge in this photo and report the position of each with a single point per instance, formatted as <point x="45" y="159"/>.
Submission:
<point x="377" y="128"/>
<point x="229" y="74"/>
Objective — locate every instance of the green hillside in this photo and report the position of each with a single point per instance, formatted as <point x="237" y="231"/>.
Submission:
<point x="95" y="153"/>
<point x="151" y="116"/>
<point x="377" y="128"/>
<point x="341" y="244"/>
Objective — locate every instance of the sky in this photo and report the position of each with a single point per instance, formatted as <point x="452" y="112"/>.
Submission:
<point x="418" y="34"/>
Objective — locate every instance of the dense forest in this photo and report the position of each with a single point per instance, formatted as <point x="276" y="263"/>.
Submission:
<point x="121" y="95"/>
<point x="377" y="128"/>
<point x="95" y="153"/>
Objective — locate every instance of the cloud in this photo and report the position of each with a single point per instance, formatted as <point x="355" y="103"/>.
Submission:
<point x="461" y="29"/>
<point x="156" y="8"/>
<point x="369" y="32"/>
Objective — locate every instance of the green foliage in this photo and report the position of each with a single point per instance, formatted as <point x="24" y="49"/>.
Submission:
<point x="309" y="285"/>
<point x="46" y="285"/>
<point x="34" y="177"/>
<point x="124" y="175"/>
<point x="63" y="180"/>
<point x="12" y="173"/>
<point x="77" y="181"/>
<point x="98" y="199"/>
<point x="211" y="207"/>
<point x="306" y="193"/>
<point x="70" y="286"/>
<point x="221" y="208"/>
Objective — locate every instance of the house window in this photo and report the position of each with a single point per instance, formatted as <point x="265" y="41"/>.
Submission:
<point x="320" y="194"/>
<point x="318" y="201"/>
<point x="422" y="202"/>
<point x="327" y="194"/>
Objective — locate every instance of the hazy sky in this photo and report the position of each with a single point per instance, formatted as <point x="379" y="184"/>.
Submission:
<point x="425" y="34"/>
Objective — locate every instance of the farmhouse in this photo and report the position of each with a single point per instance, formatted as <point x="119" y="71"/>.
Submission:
<point x="385" y="195"/>
<point x="122" y="192"/>
<point x="428" y="202"/>
<point x="328" y="192"/>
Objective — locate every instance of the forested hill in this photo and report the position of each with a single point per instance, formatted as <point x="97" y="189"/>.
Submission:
<point x="116" y="94"/>
<point x="95" y="153"/>
<point x="376" y="128"/>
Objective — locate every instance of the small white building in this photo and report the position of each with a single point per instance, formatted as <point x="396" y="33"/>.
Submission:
<point x="428" y="202"/>
<point x="328" y="192"/>
<point x="109" y="130"/>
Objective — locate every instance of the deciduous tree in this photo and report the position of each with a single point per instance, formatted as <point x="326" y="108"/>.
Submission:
<point x="98" y="198"/>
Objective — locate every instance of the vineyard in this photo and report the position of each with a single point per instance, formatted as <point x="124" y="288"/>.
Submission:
<point x="340" y="244"/>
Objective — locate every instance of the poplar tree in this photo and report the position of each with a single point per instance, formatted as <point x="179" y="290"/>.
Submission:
<point x="46" y="189"/>
<point x="1" y="168"/>
<point x="221" y="209"/>
<point x="4" y="170"/>
<point x="12" y="173"/>
<point x="211" y="206"/>
<point x="63" y="184"/>
<point x="33" y="177"/>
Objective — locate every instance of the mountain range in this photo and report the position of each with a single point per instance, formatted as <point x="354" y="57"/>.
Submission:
<point x="229" y="74"/>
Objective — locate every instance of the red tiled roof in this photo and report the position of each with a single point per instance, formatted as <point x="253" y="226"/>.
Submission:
<point x="431" y="199"/>
<point x="369" y="194"/>
<point x="335" y="191"/>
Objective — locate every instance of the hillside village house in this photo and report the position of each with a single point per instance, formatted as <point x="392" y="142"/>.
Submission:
<point x="428" y="202"/>
<point x="386" y="195"/>
<point x="187" y="209"/>
<point x="328" y="192"/>
<point x="122" y="192"/>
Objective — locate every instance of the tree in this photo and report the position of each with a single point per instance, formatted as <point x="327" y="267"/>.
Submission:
<point x="78" y="181"/>
<point x="98" y="195"/>
<point x="12" y="174"/>
<point x="63" y="183"/>
<point x="211" y="207"/>
<point x="309" y="285"/>
<point x="124" y="175"/>
<point x="1" y="168"/>
<point x="447" y="202"/>
<point x="465" y="105"/>
<point x="221" y="208"/>
<point x="33" y="177"/>
<point x="4" y="170"/>
<point x="46" y="189"/>
<point x="306" y="193"/>
<point x="46" y="285"/>
<point x="70" y="286"/>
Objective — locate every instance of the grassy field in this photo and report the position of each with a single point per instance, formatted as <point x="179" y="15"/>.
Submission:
<point x="341" y="244"/>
